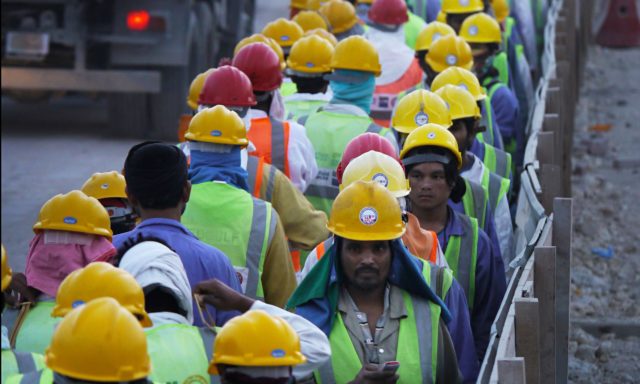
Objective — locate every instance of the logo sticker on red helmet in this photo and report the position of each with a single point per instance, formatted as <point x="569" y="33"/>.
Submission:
<point x="368" y="216"/>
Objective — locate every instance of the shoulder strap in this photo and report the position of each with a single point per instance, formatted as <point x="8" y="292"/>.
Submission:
<point x="25" y="361"/>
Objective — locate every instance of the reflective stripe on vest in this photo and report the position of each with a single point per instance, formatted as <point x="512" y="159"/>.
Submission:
<point x="501" y="64"/>
<point x="254" y="172"/>
<point x="462" y="255"/>
<point x="417" y="346"/>
<point x="475" y="201"/>
<point x="496" y="186"/>
<point x="271" y="139"/>
<point x="487" y="136"/>
<point x="322" y="248"/>
<point x="36" y="330"/>
<point x="218" y="214"/>
<point x="498" y="161"/>
<point x="385" y="96"/>
<point x="16" y="362"/>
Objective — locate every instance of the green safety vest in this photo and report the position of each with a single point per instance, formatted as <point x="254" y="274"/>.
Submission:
<point x="462" y="256"/>
<point x="330" y="132"/>
<point x="497" y="160"/>
<point x="180" y="354"/>
<point x="288" y="88"/>
<point x="43" y="376"/>
<point x="16" y="362"/>
<point x="238" y="224"/>
<point x="475" y="201"/>
<point x="299" y="108"/>
<point x="501" y="63"/>
<point x="412" y="29"/>
<point x="35" y="330"/>
<point x="489" y="135"/>
<point x="496" y="186"/>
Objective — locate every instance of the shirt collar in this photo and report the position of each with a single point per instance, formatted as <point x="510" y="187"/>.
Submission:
<point x="393" y="302"/>
<point x="454" y="226"/>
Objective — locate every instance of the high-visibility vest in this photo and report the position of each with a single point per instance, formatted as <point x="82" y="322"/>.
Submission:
<point x="412" y="29"/>
<point x="31" y="329"/>
<point x="419" y="347"/>
<point x="180" y="354"/>
<point x="288" y="87"/>
<point x="474" y="201"/>
<point x="496" y="186"/>
<point x="497" y="160"/>
<point x="298" y="108"/>
<point x="42" y="376"/>
<point x="386" y="96"/>
<point x="491" y="134"/>
<point x="238" y="224"/>
<point x="271" y="139"/>
<point x="508" y="145"/>
<point x="329" y="133"/>
<point x="462" y="256"/>
<point x="501" y="63"/>
<point x="18" y="362"/>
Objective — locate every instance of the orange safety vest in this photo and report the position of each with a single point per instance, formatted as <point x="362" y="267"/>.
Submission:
<point x="271" y="139"/>
<point x="385" y="96"/>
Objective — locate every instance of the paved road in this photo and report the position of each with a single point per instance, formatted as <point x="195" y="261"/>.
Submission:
<point x="52" y="148"/>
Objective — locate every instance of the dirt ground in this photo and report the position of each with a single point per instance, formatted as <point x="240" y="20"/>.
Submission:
<point x="605" y="282"/>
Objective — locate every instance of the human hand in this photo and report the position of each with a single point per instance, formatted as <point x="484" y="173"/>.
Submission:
<point x="371" y="374"/>
<point x="218" y="294"/>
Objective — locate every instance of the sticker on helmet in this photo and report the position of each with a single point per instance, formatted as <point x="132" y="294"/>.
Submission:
<point x="310" y="64"/>
<point x="368" y="216"/>
<point x="70" y="220"/>
<point x="463" y="3"/>
<point x="431" y="135"/>
<point x="216" y="133"/>
<point x="435" y="36"/>
<point x="284" y="38"/>
<point x="473" y="30"/>
<point x="452" y="59"/>
<point x="381" y="179"/>
<point x="105" y="186"/>
<point x="421" y="118"/>
<point x="463" y="86"/>
<point x="278" y="353"/>
<point x="77" y="303"/>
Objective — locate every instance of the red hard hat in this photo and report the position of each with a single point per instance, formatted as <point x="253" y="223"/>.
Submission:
<point x="227" y="86"/>
<point x="261" y="64"/>
<point x="392" y="12"/>
<point x="362" y="144"/>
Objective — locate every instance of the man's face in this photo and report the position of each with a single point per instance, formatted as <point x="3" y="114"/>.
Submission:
<point x="459" y="131"/>
<point x="481" y="53"/>
<point x="429" y="188"/>
<point x="366" y="263"/>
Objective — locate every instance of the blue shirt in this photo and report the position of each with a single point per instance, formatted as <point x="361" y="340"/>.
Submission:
<point x="491" y="282"/>
<point x="200" y="260"/>
<point x="505" y="109"/>
<point x="489" y="225"/>
<point x="478" y="149"/>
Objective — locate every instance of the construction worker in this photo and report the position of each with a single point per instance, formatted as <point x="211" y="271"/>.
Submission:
<point x="308" y="20"/>
<point x="260" y="38"/>
<point x="72" y="231"/>
<point x="222" y="213"/>
<point x="400" y="70"/>
<point x="14" y="362"/>
<point x="355" y="63"/>
<point x="418" y="108"/>
<point x="324" y="34"/>
<point x="342" y="17"/>
<point x="432" y="162"/>
<point x="309" y="61"/>
<point x="456" y="11"/>
<point x="490" y="132"/>
<point x="282" y="143"/>
<point x="448" y="51"/>
<point x="284" y="32"/>
<point x="373" y="299"/>
<point x="483" y="33"/>
<point x="304" y="226"/>
<point x="411" y="28"/>
<point x="428" y="35"/>
<point x="109" y="189"/>
<point x="83" y="348"/>
<point x="159" y="188"/>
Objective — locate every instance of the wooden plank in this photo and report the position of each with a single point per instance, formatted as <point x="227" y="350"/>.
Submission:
<point x="552" y="123"/>
<point x="546" y="142"/>
<point x="511" y="371"/>
<point x="551" y="185"/>
<point x="544" y="281"/>
<point x="562" y="234"/>
<point x="528" y="336"/>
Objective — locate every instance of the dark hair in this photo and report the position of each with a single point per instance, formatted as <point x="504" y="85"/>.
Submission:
<point x="451" y="173"/>
<point x="156" y="174"/>
<point x="310" y="84"/>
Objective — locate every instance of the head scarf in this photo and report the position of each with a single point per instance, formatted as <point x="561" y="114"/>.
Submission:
<point x="207" y="164"/>
<point x="358" y="92"/>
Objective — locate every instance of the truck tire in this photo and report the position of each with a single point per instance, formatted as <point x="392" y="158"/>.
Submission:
<point x="167" y="106"/>
<point x="128" y="115"/>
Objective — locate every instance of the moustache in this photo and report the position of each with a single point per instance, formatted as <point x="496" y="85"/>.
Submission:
<point x="366" y="269"/>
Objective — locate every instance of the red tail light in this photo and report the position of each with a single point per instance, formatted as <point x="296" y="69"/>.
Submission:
<point x="138" y="20"/>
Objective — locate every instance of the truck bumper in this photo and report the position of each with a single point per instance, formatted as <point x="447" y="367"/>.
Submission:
<point x="74" y="80"/>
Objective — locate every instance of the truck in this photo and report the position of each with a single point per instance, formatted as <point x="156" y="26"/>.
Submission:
<point x="140" y="55"/>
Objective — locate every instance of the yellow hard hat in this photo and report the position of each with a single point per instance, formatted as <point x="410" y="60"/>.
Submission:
<point x="100" y="279"/>
<point x="196" y="87"/>
<point x="419" y="108"/>
<point x="432" y="32"/>
<point x="358" y="54"/>
<point x="449" y="51"/>
<point x="461" y="77"/>
<point x="284" y="32"/>
<point x="274" y="343"/>
<point x="311" y="55"/>
<point x="308" y="20"/>
<point x="260" y="38"/>
<point x="441" y="17"/>
<point x="501" y="9"/>
<point x="461" y="103"/>
<point x="217" y="125"/>
<point x="432" y="135"/>
<point x="6" y="270"/>
<point x="99" y="341"/>
<point x="462" y="6"/>
<point x="74" y="212"/>
<point x="314" y="5"/>
<point x="481" y="28"/>
<point x="340" y="14"/>
<point x="105" y="185"/>
<point x="324" y="34"/>
<point x="364" y="211"/>
<point x="376" y="166"/>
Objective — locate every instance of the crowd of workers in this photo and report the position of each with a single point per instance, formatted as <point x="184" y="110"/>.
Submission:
<point x="339" y="209"/>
